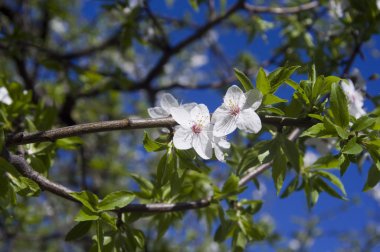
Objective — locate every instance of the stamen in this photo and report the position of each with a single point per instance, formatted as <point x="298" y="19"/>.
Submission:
<point x="234" y="110"/>
<point x="196" y="128"/>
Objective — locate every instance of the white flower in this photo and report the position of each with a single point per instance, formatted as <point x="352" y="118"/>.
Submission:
<point x="198" y="60"/>
<point x="220" y="145"/>
<point x="323" y="146"/>
<point x="59" y="26"/>
<point x="4" y="96"/>
<point x="132" y="5"/>
<point x="237" y="111"/>
<point x="193" y="130"/>
<point x="166" y="103"/>
<point x="355" y="99"/>
<point x="309" y="158"/>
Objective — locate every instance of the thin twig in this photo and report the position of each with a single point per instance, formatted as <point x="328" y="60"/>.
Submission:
<point x="256" y="171"/>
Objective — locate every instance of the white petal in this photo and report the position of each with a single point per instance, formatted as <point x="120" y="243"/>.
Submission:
<point x="234" y="95"/>
<point x="157" y="112"/>
<point x="182" y="117"/>
<point x="202" y="145"/>
<point x="224" y="122"/>
<point x="167" y="101"/>
<point x="182" y="138"/>
<point x="219" y="154"/>
<point x="189" y="106"/>
<point x="222" y="142"/>
<point x="200" y="114"/>
<point x="249" y="121"/>
<point x="4" y="96"/>
<point x="254" y="99"/>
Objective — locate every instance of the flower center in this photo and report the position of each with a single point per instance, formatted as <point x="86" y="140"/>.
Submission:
<point x="234" y="110"/>
<point x="196" y="128"/>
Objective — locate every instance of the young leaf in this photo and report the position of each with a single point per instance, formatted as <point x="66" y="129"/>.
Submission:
<point x="333" y="179"/>
<point x="86" y="214"/>
<point x="2" y="138"/>
<point x="372" y="179"/>
<point x="116" y="200"/>
<point x="279" y="76"/>
<point x="362" y="123"/>
<point x="78" y="231"/>
<point x="352" y="147"/>
<point x="290" y="188"/>
<point x="279" y="170"/>
<point x="244" y="80"/>
<point x="270" y="99"/>
<point x="231" y="185"/>
<point x="292" y="153"/>
<point x="262" y="82"/>
<point x="88" y="199"/>
<point x="339" y="106"/>
<point x="151" y="145"/>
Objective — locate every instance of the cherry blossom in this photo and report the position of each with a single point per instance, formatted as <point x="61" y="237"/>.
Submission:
<point x="4" y="96"/>
<point x="193" y="130"/>
<point x="237" y="111"/>
<point x="166" y="103"/>
<point x="355" y="99"/>
<point x="220" y="145"/>
<point x="309" y="158"/>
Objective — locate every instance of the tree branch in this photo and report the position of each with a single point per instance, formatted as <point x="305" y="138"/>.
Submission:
<point x="45" y="184"/>
<point x="280" y="10"/>
<point x="128" y="124"/>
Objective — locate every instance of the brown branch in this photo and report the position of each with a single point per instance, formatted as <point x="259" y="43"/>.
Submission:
<point x="280" y="10"/>
<point x="128" y="124"/>
<point x="45" y="184"/>
<point x="157" y="69"/>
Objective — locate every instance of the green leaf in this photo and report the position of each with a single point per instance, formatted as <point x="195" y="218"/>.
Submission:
<point x="78" y="231"/>
<point x="244" y="80"/>
<point x="327" y="162"/>
<point x="339" y="106"/>
<point x="351" y="147"/>
<point x="317" y="130"/>
<point x="152" y="145"/>
<point x="99" y="236"/>
<point x="279" y="76"/>
<point x="71" y="143"/>
<point x="362" y="123"/>
<point x="116" y="200"/>
<point x="2" y="138"/>
<point x="194" y="4"/>
<point x="322" y="185"/>
<point x="88" y="199"/>
<point x="224" y="230"/>
<point x="291" y="187"/>
<point x="344" y="164"/>
<point x="272" y="110"/>
<point x="333" y="179"/>
<point x="86" y="214"/>
<point x="372" y="179"/>
<point x="291" y="151"/>
<point x="262" y="82"/>
<point x="270" y="99"/>
<point x="231" y="185"/>
<point x="279" y="170"/>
